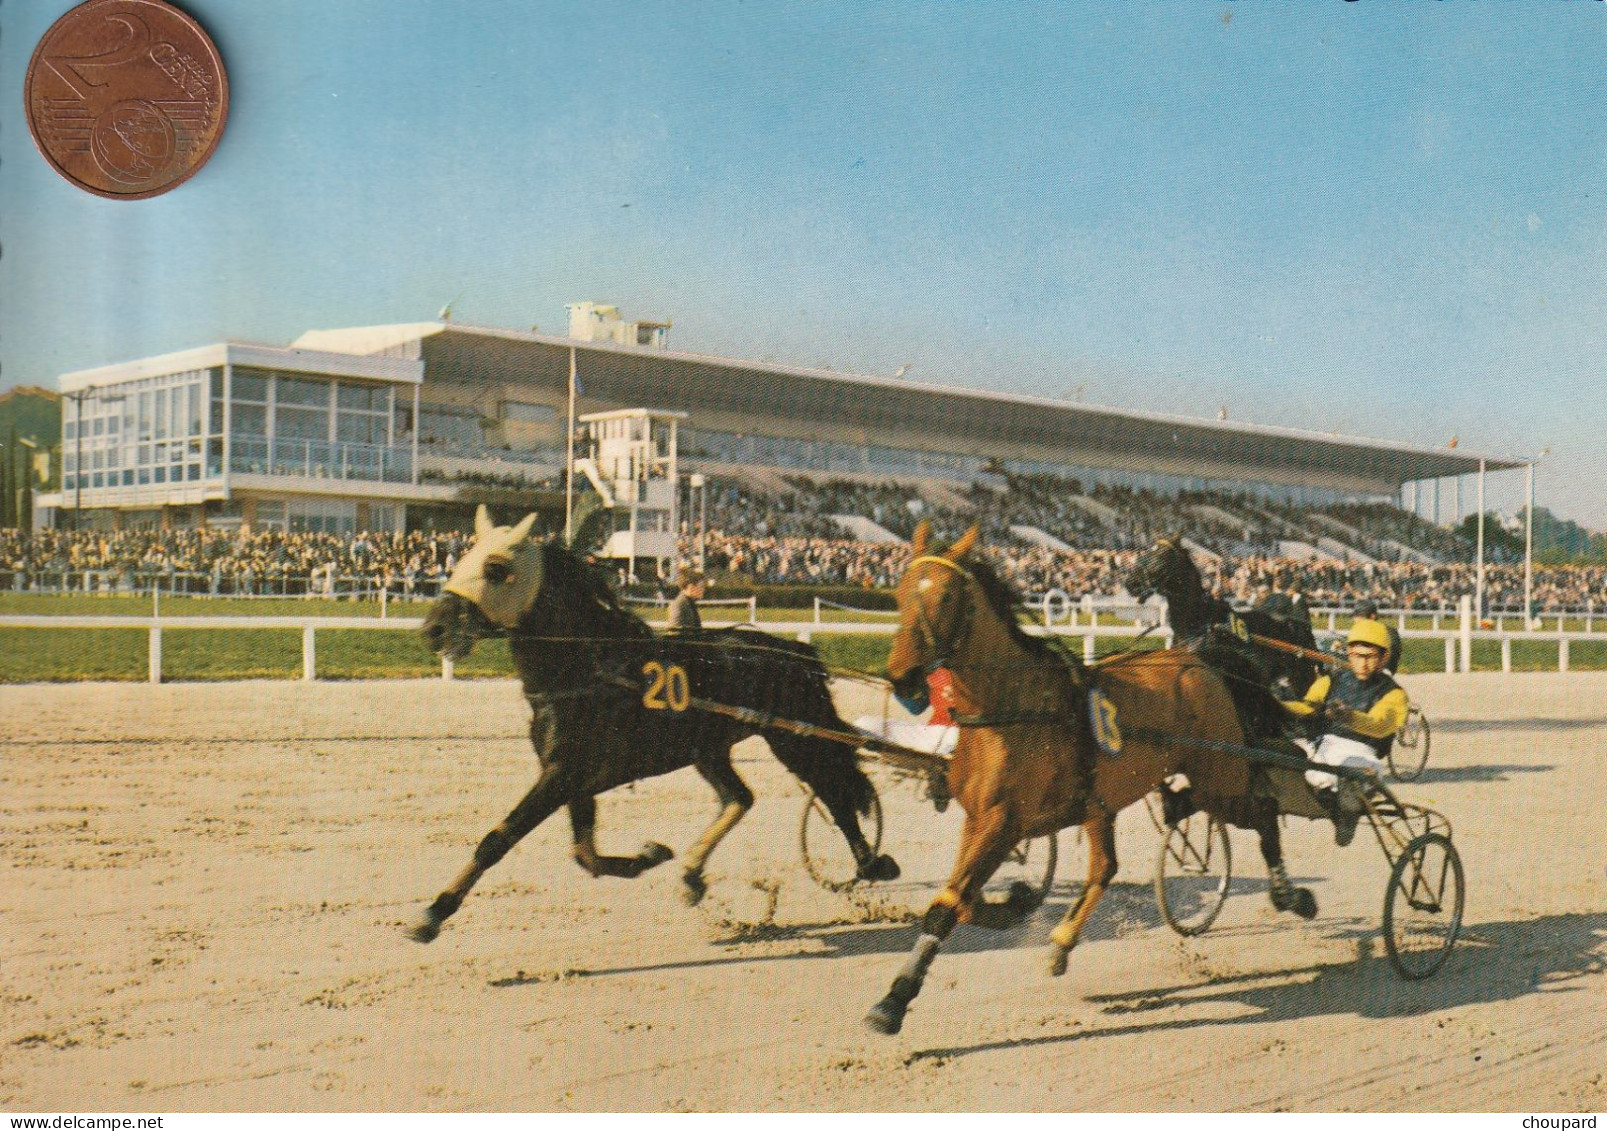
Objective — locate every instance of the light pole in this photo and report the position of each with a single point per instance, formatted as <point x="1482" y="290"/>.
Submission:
<point x="22" y="482"/>
<point x="699" y="485"/>
<point x="1528" y="539"/>
<point x="78" y="399"/>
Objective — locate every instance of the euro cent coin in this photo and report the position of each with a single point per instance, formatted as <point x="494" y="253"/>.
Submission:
<point x="126" y="98"/>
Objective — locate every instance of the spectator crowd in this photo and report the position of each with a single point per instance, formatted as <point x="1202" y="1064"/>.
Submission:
<point x="217" y="562"/>
<point x="1041" y="532"/>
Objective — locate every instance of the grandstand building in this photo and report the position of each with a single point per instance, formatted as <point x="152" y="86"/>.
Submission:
<point x="409" y="426"/>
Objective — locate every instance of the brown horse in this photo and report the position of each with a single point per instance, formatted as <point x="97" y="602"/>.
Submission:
<point x="1029" y="761"/>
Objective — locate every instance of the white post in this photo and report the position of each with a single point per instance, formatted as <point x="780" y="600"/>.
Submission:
<point x="309" y="654"/>
<point x="1506" y="653"/>
<point x="447" y="667"/>
<point x="156" y="654"/>
<point x="1464" y="608"/>
<point x="1332" y="620"/>
<point x="817" y="610"/>
<point x="384" y="600"/>
<point x="1436" y="621"/>
<point x="1450" y="654"/>
<point x="1562" y="653"/>
<point x="1088" y="648"/>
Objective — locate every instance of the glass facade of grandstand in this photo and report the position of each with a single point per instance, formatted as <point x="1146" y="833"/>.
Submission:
<point x="171" y="429"/>
<point x="876" y="459"/>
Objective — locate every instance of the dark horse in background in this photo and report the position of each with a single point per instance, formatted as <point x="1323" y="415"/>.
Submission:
<point x="612" y="702"/>
<point x="1191" y="612"/>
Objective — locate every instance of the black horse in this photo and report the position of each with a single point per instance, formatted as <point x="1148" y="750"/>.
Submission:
<point x="1256" y="675"/>
<point x="1192" y="612"/>
<point x="612" y="702"/>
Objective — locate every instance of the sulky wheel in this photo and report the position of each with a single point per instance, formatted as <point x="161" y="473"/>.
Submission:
<point x="1409" y="754"/>
<point x="826" y="856"/>
<point x="1032" y="862"/>
<point x="1192" y="873"/>
<point x="1423" y="907"/>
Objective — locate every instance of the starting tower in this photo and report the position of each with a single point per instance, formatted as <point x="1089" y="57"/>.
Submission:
<point x="629" y="457"/>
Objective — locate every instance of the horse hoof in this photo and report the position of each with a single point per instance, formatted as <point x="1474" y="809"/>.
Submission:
<point x="693" y="889"/>
<point x="425" y="930"/>
<point x="886" y="1018"/>
<point x="881" y="868"/>
<point x="1057" y="961"/>
<point x="1305" y="904"/>
<point x="652" y="854"/>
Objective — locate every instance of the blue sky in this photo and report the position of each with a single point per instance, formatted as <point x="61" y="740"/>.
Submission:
<point x="1388" y="220"/>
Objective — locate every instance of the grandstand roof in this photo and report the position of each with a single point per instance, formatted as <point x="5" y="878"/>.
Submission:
<point x="722" y="392"/>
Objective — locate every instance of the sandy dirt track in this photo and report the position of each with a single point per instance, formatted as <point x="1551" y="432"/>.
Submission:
<point x="204" y="886"/>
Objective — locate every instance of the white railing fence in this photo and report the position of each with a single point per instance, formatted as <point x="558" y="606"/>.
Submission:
<point x="1090" y="620"/>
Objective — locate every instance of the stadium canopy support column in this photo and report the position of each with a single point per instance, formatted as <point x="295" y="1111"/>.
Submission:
<point x="1528" y="544"/>
<point x="1478" y="584"/>
<point x="569" y="457"/>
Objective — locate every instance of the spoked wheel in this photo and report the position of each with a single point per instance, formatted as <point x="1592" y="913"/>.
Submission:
<point x="1409" y="754"/>
<point x="1032" y="862"/>
<point x="1423" y="907"/>
<point x="1192" y="873"/>
<point x="826" y="856"/>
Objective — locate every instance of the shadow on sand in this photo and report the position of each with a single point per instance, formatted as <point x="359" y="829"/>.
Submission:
<point x="1493" y="962"/>
<point x="1126" y="909"/>
<point x="1452" y="775"/>
<point x="1484" y="726"/>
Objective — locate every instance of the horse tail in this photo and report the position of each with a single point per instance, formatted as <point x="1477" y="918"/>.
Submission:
<point x="792" y="683"/>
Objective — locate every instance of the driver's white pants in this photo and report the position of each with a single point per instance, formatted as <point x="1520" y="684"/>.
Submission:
<point x="1335" y="750"/>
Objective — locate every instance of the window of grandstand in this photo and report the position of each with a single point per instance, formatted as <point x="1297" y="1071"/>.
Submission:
<point x="521" y="412"/>
<point x="151" y="432"/>
<point x="450" y="428"/>
<point x="323" y="516"/>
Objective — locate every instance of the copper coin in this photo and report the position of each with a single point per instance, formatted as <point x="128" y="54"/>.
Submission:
<point x="126" y="98"/>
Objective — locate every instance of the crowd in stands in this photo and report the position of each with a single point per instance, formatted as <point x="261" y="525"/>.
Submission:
<point x="1379" y="521"/>
<point x="1034" y="570"/>
<point x="220" y="562"/>
<point x="758" y="534"/>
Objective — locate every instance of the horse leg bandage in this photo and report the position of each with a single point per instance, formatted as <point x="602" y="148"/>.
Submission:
<point x="698" y="854"/>
<point x="908" y="982"/>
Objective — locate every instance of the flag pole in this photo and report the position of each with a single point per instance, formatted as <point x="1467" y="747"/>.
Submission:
<point x="569" y="460"/>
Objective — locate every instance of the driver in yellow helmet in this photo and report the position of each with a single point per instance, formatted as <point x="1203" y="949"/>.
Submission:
<point x="1362" y="709"/>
